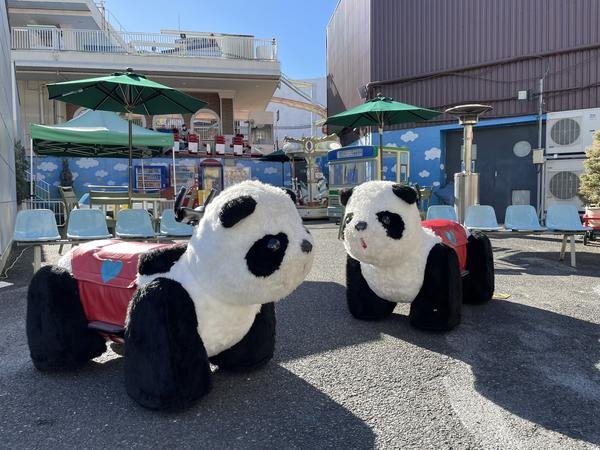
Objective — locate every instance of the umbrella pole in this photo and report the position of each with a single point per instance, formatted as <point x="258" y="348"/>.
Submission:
<point x="31" y="169"/>
<point x="174" y="177"/>
<point x="380" y="156"/>
<point x="130" y="159"/>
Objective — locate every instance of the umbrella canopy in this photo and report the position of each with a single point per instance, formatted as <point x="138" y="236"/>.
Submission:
<point x="126" y="92"/>
<point x="380" y="111"/>
<point x="97" y="133"/>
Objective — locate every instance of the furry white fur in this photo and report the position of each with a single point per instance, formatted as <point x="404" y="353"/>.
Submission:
<point x="393" y="268"/>
<point x="213" y="269"/>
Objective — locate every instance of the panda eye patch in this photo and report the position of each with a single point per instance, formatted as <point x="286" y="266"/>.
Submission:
<point x="392" y="222"/>
<point x="349" y="218"/>
<point x="265" y="256"/>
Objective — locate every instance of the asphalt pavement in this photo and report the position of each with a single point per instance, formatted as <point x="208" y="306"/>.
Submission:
<point x="517" y="373"/>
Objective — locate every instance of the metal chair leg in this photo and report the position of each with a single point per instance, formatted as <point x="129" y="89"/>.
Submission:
<point x="563" y="247"/>
<point x="37" y="258"/>
<point x="573" y="264"/>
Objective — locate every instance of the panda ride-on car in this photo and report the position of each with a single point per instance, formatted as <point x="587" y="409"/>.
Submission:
<point x="393" y="257"/>
<point x="177" y="308"/>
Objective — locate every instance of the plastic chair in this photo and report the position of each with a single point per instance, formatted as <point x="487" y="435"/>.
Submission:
<point x="522" y="218"/>
<point x="87" y="224"/>
<point x="441" y="212"/>
<point x="170" y="227"/>
<point x="481" y="217"/>
<point x="134" y="223"/>
<point x="35" y="225"/>
<point x="564" y="218"/>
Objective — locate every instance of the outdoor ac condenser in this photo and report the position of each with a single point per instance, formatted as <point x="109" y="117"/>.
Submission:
<point x="562" y="182"/>
<point x="571" y="132"/>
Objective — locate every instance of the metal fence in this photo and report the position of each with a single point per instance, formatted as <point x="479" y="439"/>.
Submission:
<point x="207" y="45"/>
<point x="56" y="206"/>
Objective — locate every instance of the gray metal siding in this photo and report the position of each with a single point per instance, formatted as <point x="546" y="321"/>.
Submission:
<point x="348" y="53"/>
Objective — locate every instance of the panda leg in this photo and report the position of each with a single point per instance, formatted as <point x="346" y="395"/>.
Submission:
<point x="257" y="347"/>
<point x="437" y="305"/>
<point x="166" y="366"/>
<point x="478" y="285"/>
<point x="57" y="331"/>
<point x="363" y="303"/>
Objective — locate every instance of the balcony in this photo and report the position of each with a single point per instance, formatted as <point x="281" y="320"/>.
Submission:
<point x="196" y="45"/>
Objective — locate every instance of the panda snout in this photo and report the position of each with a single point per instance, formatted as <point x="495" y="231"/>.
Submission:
<point x="306" y="246"/>
<point x="360" y="226"/>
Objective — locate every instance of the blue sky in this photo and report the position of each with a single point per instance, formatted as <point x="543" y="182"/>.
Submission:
<point x="298" y="25"/>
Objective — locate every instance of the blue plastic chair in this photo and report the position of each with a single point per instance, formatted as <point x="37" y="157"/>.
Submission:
<point x="441" y="212"/>
<point x="170" y="227"/>
<point x="35" y="225"/>
<point x="564" y="218"/>
<point x="522" y="218"/>
<point x="134" y="223"/>
<point x="87" y="224"/>
<point x="481" y="217"/>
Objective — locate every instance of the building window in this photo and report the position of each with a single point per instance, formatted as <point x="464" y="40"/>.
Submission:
<point x="206" y="124"/>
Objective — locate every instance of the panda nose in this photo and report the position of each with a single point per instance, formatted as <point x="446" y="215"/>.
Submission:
<point x="306" y="246"/>
<point x="360" y="226"/>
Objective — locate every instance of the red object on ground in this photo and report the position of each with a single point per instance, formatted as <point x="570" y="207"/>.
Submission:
<point x="106" y="272"/>
<point x="453" y="235"/>
<point x="193" y="138"/>
<point x="219" y="139"/>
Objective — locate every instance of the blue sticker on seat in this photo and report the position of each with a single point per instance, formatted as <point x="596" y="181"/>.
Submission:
<point x="110" y="269"/>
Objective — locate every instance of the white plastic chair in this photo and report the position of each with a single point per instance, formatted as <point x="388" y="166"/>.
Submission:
<point x="36" y="226"/>
<point x="481" y="217"/>
<point x="522" y="218"/>
<point x="170" y="227"/>
<point x="87" y="224"/>
<point x="441" y="212"/>
<point x="134" y="223"/>
<point x="565" y="219"/>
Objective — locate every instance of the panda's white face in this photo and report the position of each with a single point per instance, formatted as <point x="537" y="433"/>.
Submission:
<point x="382" y="223"/>
<point x="252" y="241"/>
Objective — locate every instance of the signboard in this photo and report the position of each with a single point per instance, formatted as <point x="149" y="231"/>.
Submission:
<point x="365" y="151"/>
<point x="234" y="175"/>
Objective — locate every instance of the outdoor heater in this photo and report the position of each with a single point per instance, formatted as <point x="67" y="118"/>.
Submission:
<point x="466" y="182"/>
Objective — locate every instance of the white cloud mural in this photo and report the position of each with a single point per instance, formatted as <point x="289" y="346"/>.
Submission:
<point x="47" y="166"/>
<point x="120" y="167"/>
<point x="409" y="136"/>
<point x="385" y="169"/>
<point x="87" y="163"/>
<point x="40" y="176"/>
<point x="433" y="153"/>
<point x="56" y="183"/>
<point x="391" y="144"/>
<point x="436" y="183"/>
<point x="394" y="168"/>
<point x="424" y="173"/>
<point x="101" y="173"/>
<point x="110" y="183"/>
<point x="442" y="166"/>
<point x="270" y="171"/>
<point x="75" y="175"/>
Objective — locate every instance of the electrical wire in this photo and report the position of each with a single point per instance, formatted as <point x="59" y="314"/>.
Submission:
<point x="5" y="276"/>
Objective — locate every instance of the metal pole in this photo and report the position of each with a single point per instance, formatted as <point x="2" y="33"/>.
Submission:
<point x="174" y="176"/>
<point x="31" y="168"/>
<point x="130" y="192"/>
<point x="380" y="156"/>
<point x="468" y="144"/>
<point x="540" y="171"/>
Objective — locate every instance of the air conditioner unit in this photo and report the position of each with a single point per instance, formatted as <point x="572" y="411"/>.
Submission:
<point x="562" y="182"/>
<point x="571" y="132"/>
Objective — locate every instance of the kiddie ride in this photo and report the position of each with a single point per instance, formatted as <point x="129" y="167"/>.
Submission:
<point x="312" y="194"/>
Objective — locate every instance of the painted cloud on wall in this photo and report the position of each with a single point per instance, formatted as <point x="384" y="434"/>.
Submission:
<point x="270" y="171"/>
<point x="47" y="166"/>
<point x="120" y="167"/>
<point x="87" y="163"/>
<point x="75" y="175"/>
<point x="409" y="136"/>
<point x="433" y="153"/>
<point x="110" y="183"/>
<point x="424" y="173"/>
<point x="391" y="144"/>
<point x="101" y="173"/>
<point x="436" y="183"/>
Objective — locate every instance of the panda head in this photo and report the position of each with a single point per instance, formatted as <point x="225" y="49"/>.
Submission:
<point x="252" y="241"/>
<point x="382" y="222"/>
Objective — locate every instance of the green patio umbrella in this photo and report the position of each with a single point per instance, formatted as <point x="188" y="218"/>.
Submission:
<point x="380" y="111"/>
<point x="125" y="92"/>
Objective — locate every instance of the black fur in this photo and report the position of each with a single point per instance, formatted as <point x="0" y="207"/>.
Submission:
<point x="437" y="305"/>
<point x="57" y="331"/>
<point x="291" y="193"/>
<point x="393" y="224"/>
<point x="363" y="303"/>
<point x="257" y="347"/>
<point x="165" y="364"/>
<point x="160" y="260"/>
<point x="345" y="195"/>
<point x="478" y="284"/>
<point x="236" y="209"/>
<point x="266" y="254"/>
<point x="406" y="193"/>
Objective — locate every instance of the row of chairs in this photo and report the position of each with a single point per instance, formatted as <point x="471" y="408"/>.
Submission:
<point x="559" y="218"/>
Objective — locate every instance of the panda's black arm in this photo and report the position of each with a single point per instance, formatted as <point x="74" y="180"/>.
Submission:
<point x="166" y="365"/>
<point x="256" y="348"/>
<point x="437" y="306"/>
<point x="363" y="303"/>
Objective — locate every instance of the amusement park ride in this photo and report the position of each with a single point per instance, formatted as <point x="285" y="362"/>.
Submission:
<point x="312" y="194"/>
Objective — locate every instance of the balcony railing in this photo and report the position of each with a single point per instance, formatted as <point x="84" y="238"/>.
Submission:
<point x="199" y="45"/>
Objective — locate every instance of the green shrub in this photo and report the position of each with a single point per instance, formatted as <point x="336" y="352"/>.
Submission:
<point x="589" y="189"/>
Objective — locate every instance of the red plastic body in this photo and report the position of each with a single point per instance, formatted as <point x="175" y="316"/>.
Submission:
<point x="453" y="235"/>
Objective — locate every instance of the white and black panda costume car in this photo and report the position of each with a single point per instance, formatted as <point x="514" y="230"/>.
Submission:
<point x="393" y="258"/>
<point x="211" y="300"/>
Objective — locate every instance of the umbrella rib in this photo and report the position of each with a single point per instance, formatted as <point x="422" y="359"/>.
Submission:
<point x="107" y="94"/>
<point x="177" y="103"/>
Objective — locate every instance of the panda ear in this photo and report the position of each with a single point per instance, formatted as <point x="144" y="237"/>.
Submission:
<point x="345" y="195"/>
<point x="236" y="209"/>
<point x="407" y="193"/>
<point x="291" y="194"/>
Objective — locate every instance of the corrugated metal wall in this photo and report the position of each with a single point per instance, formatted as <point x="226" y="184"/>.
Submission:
<point x="439" y="53"/>
<point x="348" y="53"/>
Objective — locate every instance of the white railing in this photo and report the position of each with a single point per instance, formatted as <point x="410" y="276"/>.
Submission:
<point x="161" y="44"/>
<point x="41" y="189"/>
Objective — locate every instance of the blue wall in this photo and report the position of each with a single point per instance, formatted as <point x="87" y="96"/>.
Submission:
<point x="114" y="171"/>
